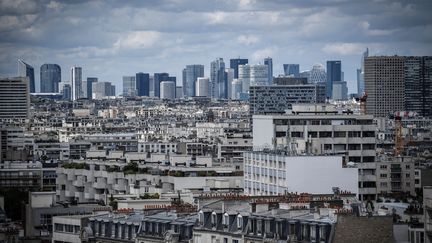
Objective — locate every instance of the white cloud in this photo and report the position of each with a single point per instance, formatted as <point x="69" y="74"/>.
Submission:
<point x="259" y="55"/>
<point x="365" y="26"/>
<point x="247" y="39"/>
<point x="138" y="40"/>
<point x="344" y="48"/>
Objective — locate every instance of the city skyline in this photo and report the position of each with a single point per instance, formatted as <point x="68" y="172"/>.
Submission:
<point x="128" y="40"/>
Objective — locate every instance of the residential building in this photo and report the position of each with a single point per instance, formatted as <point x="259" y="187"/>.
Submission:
<point x="25" y="70"/>
<point x="76" y="83"/>
<point x="235" y="63"/>
<point x="274" y="173"/>
<point x="192" y="73"/>
<point x="334" y="74"/>
<point x="143" y="84"/>
<point x="274" y="99"/>
<point x="129" y="86"/>
<point x="50" y="77"/>
<point x="292" y="70"/>
<point x="14" y="98"/>
<point x="70" y="228"/>
<point x="384" y="84"/>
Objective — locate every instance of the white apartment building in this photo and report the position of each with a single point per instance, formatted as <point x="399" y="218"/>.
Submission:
<point x="273" y="173"/>
<point x="157" y="147"/>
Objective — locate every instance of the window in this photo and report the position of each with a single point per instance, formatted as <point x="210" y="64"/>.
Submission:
<point x="239" y="221"/>
<point x="213" y="218"/>
<point x="383" y="166"/>
<point x="383" y="175"/>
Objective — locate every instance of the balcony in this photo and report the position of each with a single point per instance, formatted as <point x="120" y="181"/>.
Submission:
<point x="78" y="183"/>
<point x="99" y="185"/>
<point x="367" y="178"/>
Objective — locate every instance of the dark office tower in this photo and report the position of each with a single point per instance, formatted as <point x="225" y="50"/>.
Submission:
<point x="50" y="77"/>
<point x="159" y="77"/>
<point x="143" y="84"/>
<point x="269" y="62"/>
<point x="191" y="74"/>
<point x="418" y="85"/>
<point x="384" y="84"/>
<point x="334" y="74"/>
<point x="234" y="63"/>
<point x="89" y="87"/>
<point x="25" y="70"/>
<point x="292" y="70"/>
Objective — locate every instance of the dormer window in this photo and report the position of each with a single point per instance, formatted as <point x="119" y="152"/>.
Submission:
<point x="201" y="217"/>
<point x="213" y="218"/>
<point x="239" y="221"/>
<point x="225" y="219"/>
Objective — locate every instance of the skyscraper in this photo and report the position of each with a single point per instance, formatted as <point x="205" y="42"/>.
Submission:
<point x="218" y="85"/>
<point x="251" y="75"/>
<point x="76" y="80"/>
<point x="89" y="86"/>
<point x="167" y="90"/>
<point x="334" y="73"/>
<point x="129" y="86"/>
<point x="159" y="77"/>
<point x="384" y="84"/>
<point x="229" y="77"/>
<point x="418" y="85"/>
<point x="202" y="87"/>
<point x="269" y="62"/>
<point x="50" y="77"/>
<point x="234" y="63"/>
<point x="14" y="97"/>
<point x="292" y="70"/>
<point x="25" y="70"/>
<point x="191" y="73"/>
<point x="360" y="74"/>
<point x="143" y="84"/>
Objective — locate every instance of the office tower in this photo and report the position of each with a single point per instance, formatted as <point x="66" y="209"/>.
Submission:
<point x="384" y="84"/>
<point x="25" y="70"/>
<point x="191" y="73"/>
<point x="418" y="85"/>
<point x="334" y="73"/>
<point x="143" y="84"/>
<point x="234" y="63"/>
<point x="317" y="74"/>
<point x="202" y="87"/>
<point x="274" y="99"/>
<point x="179" y="92"/>
<point x="229" y="77"/>
<point x="158" y="78"/>
<point x="102" y="90"/>
<point x="167" y="90"/>
<point x="76" y="80"/>
<point x="269" y="62"/>
<point x="65" y="90"/>
<point x="360" y="74"/>
<point x="340" y="90"/>
<point x="152" y="86"/>
<point x="292" y="70"/>
<point x="251" y="75"/>
<point x="217" y="79"/>
<point x="14" y="97"/>
<point x="50" y="77"/>
<point x="236" y="89"/>
<point x="89" y="86"/>
<point x="129" y="86"/>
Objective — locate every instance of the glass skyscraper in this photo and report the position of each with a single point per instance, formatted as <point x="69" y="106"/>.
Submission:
<point x="158" y="78"/>
<point x="334" y="74"/>
<point x="50" y="77"/>
<point x="143" y="84"/>
<point x="234" y="63"/>
<point x="269" y="62"/>
<point x="89" y="87"/>
<point x="25" y="70"/>
<point x="76" y="80"/>
<point x="292" y="70"/>
<point x="218" y="84"/>
<point x="190" y="76"/>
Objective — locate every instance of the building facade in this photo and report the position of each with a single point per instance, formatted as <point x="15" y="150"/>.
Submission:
<point x="292" y="70"/>
<point x="218" y="85"/>
<point x="202" y="87"/>
<point x="26" y="70"/>
<point x="50" y="77"/>
<point x="76" y="81"/>
<point x="192" y="73"/>
<point x="143" y="84"/>
<point x="334" y="74"/>
<point x="167" y="90"/>
<point x="234" y="64"/>
<point x="14" y="97"/>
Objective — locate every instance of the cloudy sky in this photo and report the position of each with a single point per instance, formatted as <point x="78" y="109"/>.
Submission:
<point x="110" y="39"/>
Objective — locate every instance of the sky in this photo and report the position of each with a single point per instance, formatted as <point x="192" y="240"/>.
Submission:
<point x="111" y="39"/>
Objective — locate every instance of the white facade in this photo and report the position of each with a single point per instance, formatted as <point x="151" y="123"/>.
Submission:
<point x="69" y="229"/>
<point x="236" y="89"/>
<point x="167" y="90"/>
<point x="202" y="87"/>
<point x="129" y="86"/>
<point x="76" y="80"/>
<point x="274" y="174"/>
<point x="253" y="75"/>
